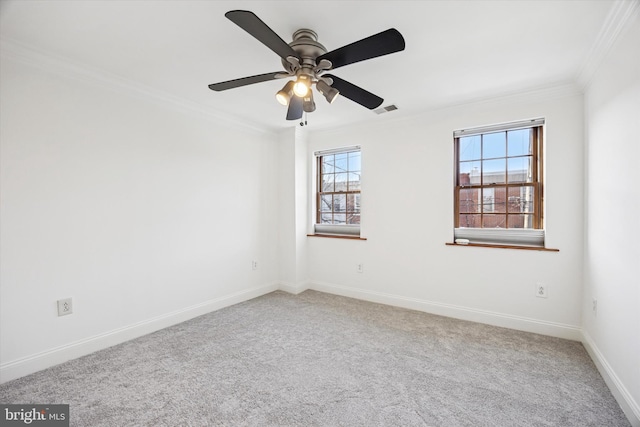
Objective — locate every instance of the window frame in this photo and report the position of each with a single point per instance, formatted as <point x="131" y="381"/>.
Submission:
<point x="516" y="236"/>
<point x="333" y="229"/>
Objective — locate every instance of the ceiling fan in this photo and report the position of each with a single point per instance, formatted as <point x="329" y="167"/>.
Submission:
<point x="306" y="60"/>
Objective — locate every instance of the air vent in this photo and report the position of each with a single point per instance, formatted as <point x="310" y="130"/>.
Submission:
<point x="386" y="109"/>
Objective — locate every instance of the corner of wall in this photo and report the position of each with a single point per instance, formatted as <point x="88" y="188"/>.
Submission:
<point x="628" y="405"/>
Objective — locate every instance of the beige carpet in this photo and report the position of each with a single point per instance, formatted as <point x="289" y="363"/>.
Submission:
<point x="321" y="360"/>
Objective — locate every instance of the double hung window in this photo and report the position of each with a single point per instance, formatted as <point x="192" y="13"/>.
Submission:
<point x="498" y="184"/>
<point x="338" y="191"/>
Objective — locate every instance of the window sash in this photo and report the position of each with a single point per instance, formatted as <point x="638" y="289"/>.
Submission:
<point x="534" y="211"/>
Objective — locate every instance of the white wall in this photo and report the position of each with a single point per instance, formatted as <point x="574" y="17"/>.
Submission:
<point x="292" y="210"/>
<point x="144" y="214"/>
<point x="407" y="203"/>
<point x="612" y="256"/>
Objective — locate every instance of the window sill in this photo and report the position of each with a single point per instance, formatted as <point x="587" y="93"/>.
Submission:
<point x="493" y="245"/>
<point x="337" y="236"/>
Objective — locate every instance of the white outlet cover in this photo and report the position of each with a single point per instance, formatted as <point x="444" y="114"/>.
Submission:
<point x="542" y="290"/>
<point x="65" y="306"/>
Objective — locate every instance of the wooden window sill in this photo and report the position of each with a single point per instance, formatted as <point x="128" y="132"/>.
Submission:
<point x="492" y="245"/>
<point x="337" y="236"/>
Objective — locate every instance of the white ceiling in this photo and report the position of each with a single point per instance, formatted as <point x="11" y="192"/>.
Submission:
<point x="456" y="51"/>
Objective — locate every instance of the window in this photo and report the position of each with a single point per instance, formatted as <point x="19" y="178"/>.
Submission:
<point x="338" y="191"/>
<point x="498" y="184"/>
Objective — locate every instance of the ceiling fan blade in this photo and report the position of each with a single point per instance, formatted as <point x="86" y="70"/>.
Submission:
<point x="355" y="93"/>
<point x="230" y="84"/>
<point x="380" y="44"/>
<point x="253" y="25"/>
<point x="295" y="108"/>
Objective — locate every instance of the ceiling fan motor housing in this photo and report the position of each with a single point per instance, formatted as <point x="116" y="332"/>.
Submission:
<point x="305" y="44"/>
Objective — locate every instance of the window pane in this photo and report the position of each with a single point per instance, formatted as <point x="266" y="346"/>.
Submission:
<point x="354" y="162"/>
<point x="327" y="182"/>
<point x="521" y="199"/>
<point x="521" y="221"/>
<point x="339" y="218"/>
<point x="520" y="169"/>
<point x="519" y="142"/>
<point x="326" y="203"/>
<point x="494" y="199"/>
<point x="493" y="171"/>
<point x="470" y="147"/>
<point x="354" y="181"/>
<point x="470" y="221"/>
<point x="326" y="218"/>
<point x="494" y="221"/>
<point x="339" y="202"/>
<point x="353" y="218"/>
<point x="341" y="181"/>
<point x="327" y="163"/>
<point x="353" y="203"/>
<point x="494" y="145"/>
<point x="487" y="199"/>
<point x="469" y="173"/>
<point x="341" y="162"/>
<point x="469" y="201"/>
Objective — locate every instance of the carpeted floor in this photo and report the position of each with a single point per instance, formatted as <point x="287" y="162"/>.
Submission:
<point x="322" y="360"/>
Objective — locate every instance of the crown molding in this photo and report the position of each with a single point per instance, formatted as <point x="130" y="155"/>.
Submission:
<point x="30" y="56"/>
<point x="620" y="14"/>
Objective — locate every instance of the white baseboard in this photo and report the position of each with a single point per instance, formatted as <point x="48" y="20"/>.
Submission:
<point x="558" y="330"/>
<point x="629" y="406"/>
<point x="36" y="362"/>
<point x="294" y="288"/>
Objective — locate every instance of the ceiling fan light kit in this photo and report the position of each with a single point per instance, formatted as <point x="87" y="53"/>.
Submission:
<point x="308" y="105"/>
<point x="284" y="95"/>
<point x="305" y="59"/>
<point x="302" y="86"/>
<point x="330" y="93"/>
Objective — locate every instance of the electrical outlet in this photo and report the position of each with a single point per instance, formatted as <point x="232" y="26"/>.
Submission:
<point x="254" y="265"/>
<point x="595" y="306"/>
<point x="65" y="306"/>
<point x="541" y="290"/>
<point x="360" y="268"/>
